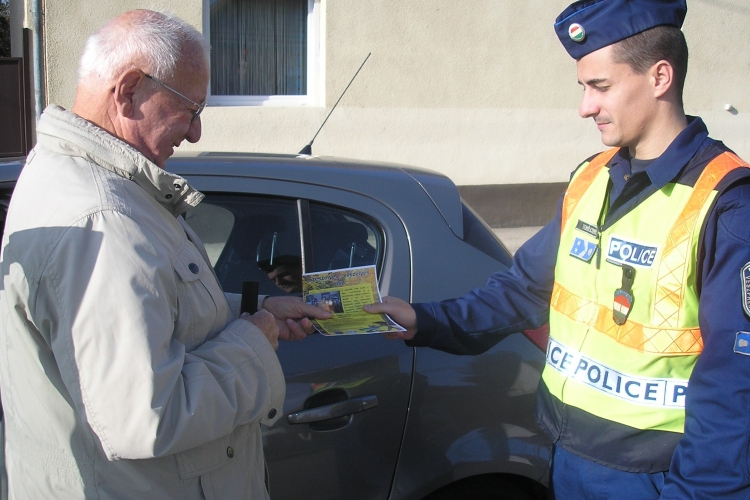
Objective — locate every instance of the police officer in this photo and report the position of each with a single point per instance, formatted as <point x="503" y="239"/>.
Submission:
<point x="643" y="276"/>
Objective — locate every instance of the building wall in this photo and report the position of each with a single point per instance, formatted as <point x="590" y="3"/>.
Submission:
<point x="480" y="90"/>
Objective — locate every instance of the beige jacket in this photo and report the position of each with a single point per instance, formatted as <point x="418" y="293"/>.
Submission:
<point x="124" y="374"/>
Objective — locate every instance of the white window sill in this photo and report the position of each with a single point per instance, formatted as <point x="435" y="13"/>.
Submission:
<point x="274" y="100"/>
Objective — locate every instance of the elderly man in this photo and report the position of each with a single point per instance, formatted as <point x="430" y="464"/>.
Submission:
<point x="644" y="276"/>
<point x="124" y="371"/>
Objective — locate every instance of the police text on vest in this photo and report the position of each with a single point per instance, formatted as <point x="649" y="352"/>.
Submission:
<point x="667" y="393"/>
<point x="621" y="251"/>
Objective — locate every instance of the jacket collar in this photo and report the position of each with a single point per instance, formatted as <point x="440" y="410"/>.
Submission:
<point x="667" y="167"/>
<point x="625" y="195"/>
<point x="67" y="133"/>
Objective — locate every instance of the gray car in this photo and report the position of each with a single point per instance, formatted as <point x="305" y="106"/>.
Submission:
<point x="365" y="417"/>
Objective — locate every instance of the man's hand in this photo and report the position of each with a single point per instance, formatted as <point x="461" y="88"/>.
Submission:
<point x="265" y="322"/>
<point x="401" y="312"/>
<point x="292" y="316"/>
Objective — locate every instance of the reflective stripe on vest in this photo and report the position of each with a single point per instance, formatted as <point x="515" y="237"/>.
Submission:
<point x="670" y="285"/>
<point x="635" y="373"/>
<point x="583" y="180"/>
<point x="632" y="334"/>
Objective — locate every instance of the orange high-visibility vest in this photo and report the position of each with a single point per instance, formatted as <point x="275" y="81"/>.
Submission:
<point x="635" y="373"/>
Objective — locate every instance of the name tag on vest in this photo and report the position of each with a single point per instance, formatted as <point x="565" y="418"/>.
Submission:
<point x="621" y="251"/>
<point x="659" y="392"/>
<point x="587" y="228"/>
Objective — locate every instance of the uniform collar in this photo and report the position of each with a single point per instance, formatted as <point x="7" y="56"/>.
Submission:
<point x="83" y="138"/>
<point x="669" y="165"/>
<point x="625" y="195"/>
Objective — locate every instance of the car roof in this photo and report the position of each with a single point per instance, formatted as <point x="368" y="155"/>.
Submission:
<point x="378" y="180"/>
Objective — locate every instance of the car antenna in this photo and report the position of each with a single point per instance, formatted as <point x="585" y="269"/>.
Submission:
<point x="307" y="150"/>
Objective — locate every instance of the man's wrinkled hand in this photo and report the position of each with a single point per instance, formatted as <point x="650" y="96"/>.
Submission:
<point x="292" y="316"/>
<point x="266" y="324"/>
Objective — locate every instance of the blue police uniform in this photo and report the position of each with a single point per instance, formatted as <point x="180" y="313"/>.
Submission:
<point x="712" y="458"/>
<point x="713" y="453"/>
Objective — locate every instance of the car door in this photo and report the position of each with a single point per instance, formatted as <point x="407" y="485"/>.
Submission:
<point x="347" y="397"/>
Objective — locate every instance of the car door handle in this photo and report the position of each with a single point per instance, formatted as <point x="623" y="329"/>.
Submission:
<point x="334" y="410"/>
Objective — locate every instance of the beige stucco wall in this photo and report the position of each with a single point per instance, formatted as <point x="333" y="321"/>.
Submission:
<point x="480" y="90"/>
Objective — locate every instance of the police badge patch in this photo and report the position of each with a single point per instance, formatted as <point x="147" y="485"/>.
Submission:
<point x="583" y="249"/>
<point x="742" y="343"/>
<point x="622" y="305"/>
<point x="745" y="275"/>
<point x="624" y="296"/>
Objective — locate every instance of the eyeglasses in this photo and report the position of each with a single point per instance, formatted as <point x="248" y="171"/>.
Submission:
<point x="196" y="112"/>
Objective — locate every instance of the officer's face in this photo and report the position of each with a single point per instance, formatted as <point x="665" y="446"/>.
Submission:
<point x="620" y="101"/>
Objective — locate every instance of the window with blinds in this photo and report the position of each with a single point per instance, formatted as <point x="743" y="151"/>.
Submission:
<point x="260" y="49"/>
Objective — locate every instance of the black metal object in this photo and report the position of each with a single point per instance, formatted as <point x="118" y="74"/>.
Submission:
<point x="14" y="136"/>
<point x="249" y="302"/>
<point x="307" y="150"/>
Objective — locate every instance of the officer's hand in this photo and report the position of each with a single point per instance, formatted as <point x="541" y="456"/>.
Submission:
<point x="401" y="312"/>
<point x="266" y="324"/>
<point x="292" y="316"/>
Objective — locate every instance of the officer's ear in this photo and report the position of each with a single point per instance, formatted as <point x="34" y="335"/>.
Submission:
<point x="662" y="78"/>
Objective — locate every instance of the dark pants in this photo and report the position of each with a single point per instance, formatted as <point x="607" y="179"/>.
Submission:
<point x="576" y="478"/>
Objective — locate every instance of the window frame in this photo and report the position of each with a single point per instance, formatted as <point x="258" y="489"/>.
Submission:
<point x="314" y="65"/>
<point x="302" y="208"/>
<point x="304" y="211"/>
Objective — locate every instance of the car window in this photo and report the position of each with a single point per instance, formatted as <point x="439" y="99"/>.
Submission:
<point x="480" y="236"/>
<point x="213" y="224"/>
<point x="251" y="238"/>
<point x="257" y="238"/>
<point x="342" y="239"/>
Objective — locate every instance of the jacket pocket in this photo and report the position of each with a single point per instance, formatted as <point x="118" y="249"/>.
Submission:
<point x="206" y="458"/>
<point x="228" y="468"/>
<point x="188" y="264"/>
<point x="202" y="309"/>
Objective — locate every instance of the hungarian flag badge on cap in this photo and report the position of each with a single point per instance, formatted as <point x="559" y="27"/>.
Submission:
<point x="576" y="32"/>
<point x="589" y="25"/>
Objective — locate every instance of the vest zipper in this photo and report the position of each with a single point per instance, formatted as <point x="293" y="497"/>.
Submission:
<point x="600" y="224"/>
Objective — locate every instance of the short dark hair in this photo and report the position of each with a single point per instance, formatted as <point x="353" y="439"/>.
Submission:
<point x="643" y="50"/>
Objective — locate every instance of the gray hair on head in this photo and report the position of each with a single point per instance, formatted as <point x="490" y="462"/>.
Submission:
<point x="145" y="39"/>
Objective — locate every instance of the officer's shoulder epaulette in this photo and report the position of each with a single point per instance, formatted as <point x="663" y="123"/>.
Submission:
<point x="702" y="158"/>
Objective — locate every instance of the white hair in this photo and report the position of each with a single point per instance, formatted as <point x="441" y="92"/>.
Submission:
<point x="150" y="40"/>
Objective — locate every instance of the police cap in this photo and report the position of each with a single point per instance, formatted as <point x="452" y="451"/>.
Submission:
<point x="589" y="25"/>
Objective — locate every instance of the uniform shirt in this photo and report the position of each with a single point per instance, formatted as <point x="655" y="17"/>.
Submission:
<point x="711" y="460"/>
